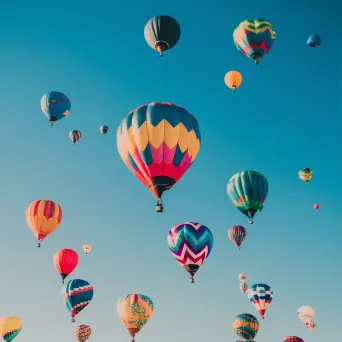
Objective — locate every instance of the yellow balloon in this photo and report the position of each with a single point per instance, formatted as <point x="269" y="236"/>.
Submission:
<point x="134" y="310"/>
<point x="233" y="79"/>
<point x="10" y="327"/>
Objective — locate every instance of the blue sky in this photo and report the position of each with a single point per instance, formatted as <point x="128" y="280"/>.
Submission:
<point x="285" y="116"/>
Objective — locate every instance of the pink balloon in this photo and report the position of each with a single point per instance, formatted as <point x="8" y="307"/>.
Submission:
<point x="316" y="206"/>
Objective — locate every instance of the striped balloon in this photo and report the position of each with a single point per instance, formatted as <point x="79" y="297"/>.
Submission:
<point x="103" y="130"/>
<point x="293" y="339"/>
<point x="55" y="106"/>
<point x="254" y="38"/>
<point x="65" y="261"/>
<point x="237" y="234"/>
<point x="77" y="295"/>
<point x="243" y="287"/>
<point x="260" y="295"/>
<point x="82" y="332"/>
<point x="75" y="135"/>
<point x="248" y="191"/>
<point x="190" y="244"/>
<point x="10" y="327"/>
<point x="246" y="326"/>
<point x="43" y="217"/>
<point x="158" y="142"/>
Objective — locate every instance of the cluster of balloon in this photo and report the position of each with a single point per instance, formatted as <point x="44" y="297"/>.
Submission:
<point x="246" y="326"/>
<point x="158" y="142"/>
<point x="134" y="310"/>
<point x="10" y="327"/>
<point x="55" y="106"/>
<point x="243" y="284"/>
<point x="305" y="175"/>
<point x="307" y="315"/>
<point x="190" y="243"/>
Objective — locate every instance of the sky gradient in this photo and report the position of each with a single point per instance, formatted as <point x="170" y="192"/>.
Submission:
<point x="286" y="115"/>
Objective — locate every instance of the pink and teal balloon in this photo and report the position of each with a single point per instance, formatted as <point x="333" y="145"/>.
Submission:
<point x="237" y="234"/>
<point x="314" y="40"/>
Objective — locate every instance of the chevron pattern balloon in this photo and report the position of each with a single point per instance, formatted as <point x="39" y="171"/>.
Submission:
<point x="190" y="244"/>
<point x="260" y="295"/>
<point x="254" y="38"/>
<point x="158" y="142"/>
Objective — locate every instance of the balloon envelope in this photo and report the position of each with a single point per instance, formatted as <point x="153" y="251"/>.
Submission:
<point x="82" y="332"/>
<point x="233" y="79"/>
<point x="305" y="174"/>
<point x="65" y="261"/>
<point x="55" y="106"/>
<point x="103" y="129"/>
<point x="237" y="234"/>
<point x="306" y="314"/>
<point x="246" y="326"/>
<point x="260" y="295"/>
<point x="314" y="40"/>
<point x="10" y="327"/>
<point x="87" y="248"/>
<point x="242" y="277"/>
<point x="75" y="135"/>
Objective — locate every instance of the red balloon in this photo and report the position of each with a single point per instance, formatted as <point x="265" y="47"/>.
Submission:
<point x="65" y="261"/>
<point x="316" y="206"/>
<point x="293" y="339"/>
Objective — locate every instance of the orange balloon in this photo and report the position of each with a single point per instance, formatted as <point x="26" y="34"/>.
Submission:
<point x="233" y="79"/>
<point x="43" y="217"/>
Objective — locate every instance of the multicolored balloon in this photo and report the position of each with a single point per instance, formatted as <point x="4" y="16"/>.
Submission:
<point x="242" y="277"/>
<point x="10" y="327"/>
<point x="43" y="217"/>
<point x="233" y="79"/>
<point x="65" y="261"/>
<point x="246" y="326"/>
<point x="103" y="130"/>
<point x="254" y="38"/>
<point x="55" y="106"/>
<point x="237" y="234"/>
<point x="314" y="40"/>
<point x="293" y="339"/>
<point x="75" y="135"/>
<point x="134" y="311"/>
<point x="316" y="206"/>
<point x="243" y="287"/>
<point x="82" y="332"/>
<point x="248" y="191"/>
<point x="306" y="314"/>
<point x="77" y="294"/>
<point x="162" y="33"/>
<point x="190" y="244"/>
<point x="86" y="249"/>
<point x="260" y="295"/>
<point x="158" y="142"/>
<point x="305" y="174"/>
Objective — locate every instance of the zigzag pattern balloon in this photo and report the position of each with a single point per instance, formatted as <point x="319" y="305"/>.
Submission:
<point x="190" y="244"/>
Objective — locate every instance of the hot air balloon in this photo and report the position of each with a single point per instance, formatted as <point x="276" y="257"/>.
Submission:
<point x="293" y="339"/>
<point x="158" y="142"/>
<point x="242" y="277"/>
<point x="77" y="295"/>
<point x="314" y="40"/>
<point x="243" y="287"/>
<point x="103" y="130"/>
<point x="75" y="135"/>
<point x="248" y="191"/>
<point x="260" y="295"/>
<point x="312" y="326"/>
<point x="55" y="106"/>
<point x="246" y="326"/>
<point x="316" y="206"/>
<point x="86" y="249"/>
<point x="190" y="244"/>
<point x="43" y="217"/>
<point x="10" y="327"/>
<point x="233" y="79"/>
<point x="134" y="311"/>
<point x="65" y="261"/>
<point x="162" y="33"/>
<point x="305" y="174"/>
<point x="82" y="332"/>
<point x="306" y="314"/>
<point x="254" y="38"/>
<point x="237" y="234"/>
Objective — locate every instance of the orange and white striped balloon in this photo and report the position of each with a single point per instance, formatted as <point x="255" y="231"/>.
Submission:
<point x="86" y="249"/>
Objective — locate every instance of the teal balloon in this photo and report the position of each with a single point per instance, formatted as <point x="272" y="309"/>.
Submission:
<point x="248" y="191"/>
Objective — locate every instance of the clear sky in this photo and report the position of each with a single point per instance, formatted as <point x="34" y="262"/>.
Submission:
<point x="285" y="116"/>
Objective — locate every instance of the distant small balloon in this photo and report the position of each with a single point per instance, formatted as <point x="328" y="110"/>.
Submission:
<point x="75" y="135"/>
<point x="233" y="79"/>
<point x="243" y="287"/>
<point x="316" y="206"/>
<point x="312" y="326"/>
<point x="86" y="249"/>
<point x="314" y="40"/>
<point x="103" y="130"/>
<point x="242" y="277"/>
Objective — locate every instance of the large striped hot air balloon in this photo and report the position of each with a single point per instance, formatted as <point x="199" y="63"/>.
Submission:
<point x="158" y="142"/>
<point x="55" y="106"/>
<point x="65" y="261"/>
<point x="82" y="332"/>
<point x="134" y="311"/>
<point x="237" y="234"/>
<point x="260" y="295"/>
<point x="43" y="217"/>
<point x="246" y="326"/>
<point x="248" y="191"/>
<point x="77" y="294"/>
<point x="190" y="244"/>
<point x="254" y="38"/>
<point x="10" y="327"/>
